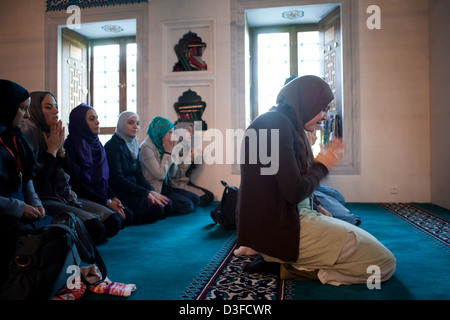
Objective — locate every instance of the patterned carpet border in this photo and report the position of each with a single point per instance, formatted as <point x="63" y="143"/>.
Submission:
<point x="435" y="226"/>
<point x="223" y="279"/>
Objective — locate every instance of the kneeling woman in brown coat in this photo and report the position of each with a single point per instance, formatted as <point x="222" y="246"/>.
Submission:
<point x="274" y="214"/>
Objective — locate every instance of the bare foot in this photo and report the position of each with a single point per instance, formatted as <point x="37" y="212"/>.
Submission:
<point x="245" y="251"/>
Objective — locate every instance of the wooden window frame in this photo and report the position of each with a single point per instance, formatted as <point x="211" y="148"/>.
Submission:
<point x="56" y="20"/>
<point x="293" y="30"/>
<point x="350" y="58"/>
<point x="122" y="42"/>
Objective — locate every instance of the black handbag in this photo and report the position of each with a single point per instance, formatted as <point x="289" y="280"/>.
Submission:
<point x="225" y="213"/>
<point x="39" y="268"/>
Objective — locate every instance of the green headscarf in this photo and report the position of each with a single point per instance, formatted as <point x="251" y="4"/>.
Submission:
<point x="157" y="129"/>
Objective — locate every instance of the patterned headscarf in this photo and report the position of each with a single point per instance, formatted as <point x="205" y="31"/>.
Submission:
<point x="157" y="129"/>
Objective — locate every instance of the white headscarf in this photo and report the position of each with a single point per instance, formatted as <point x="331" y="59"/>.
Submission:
<point x="131" y="142"/>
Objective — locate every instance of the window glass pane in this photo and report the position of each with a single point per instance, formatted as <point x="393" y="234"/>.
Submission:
<point x="106" y="83"/>
<point x="308" y="37"/>
<point x="309" y="64"/>
<point x="316" y="140"/>
<point x="308" y="53"/>
<point x="131" y="77"/>
<point x="309" y="67"/>
<point x="273" y="67"/>
<point x="104" y="138"/>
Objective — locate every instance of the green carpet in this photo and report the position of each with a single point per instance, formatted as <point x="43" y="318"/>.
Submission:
<point x="422" y="271"/>
<point x="165" y="257"/>
<point x="162" y="258"/>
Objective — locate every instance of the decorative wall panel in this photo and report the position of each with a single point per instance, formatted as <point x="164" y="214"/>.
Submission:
<point x="57" y="5"/>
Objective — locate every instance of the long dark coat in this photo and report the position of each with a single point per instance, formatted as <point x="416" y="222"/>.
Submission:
<point x="267" y="214"/>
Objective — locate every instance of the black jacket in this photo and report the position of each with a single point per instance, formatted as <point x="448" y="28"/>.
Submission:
<point x="125" y="174"/>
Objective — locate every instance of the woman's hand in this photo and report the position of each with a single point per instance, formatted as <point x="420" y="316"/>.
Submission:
<point x="324" y="211"/>
<point x="116" y="205"/>
<point x="331" y="154"/>
<point x="158" y="198"/>
<point x="56" y="138"/>
<point x="33" y="213"/>
<point x="167" y="142"/>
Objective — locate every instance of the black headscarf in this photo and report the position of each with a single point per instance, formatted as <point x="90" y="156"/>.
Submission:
<point x="302" y="99"/>
<point x="11" y="96"/>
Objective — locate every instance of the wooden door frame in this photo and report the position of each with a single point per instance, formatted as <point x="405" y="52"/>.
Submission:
<point x="54" y="21"/>
<point x="69" y="38"/>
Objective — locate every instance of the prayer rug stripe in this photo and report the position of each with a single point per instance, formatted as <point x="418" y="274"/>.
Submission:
<point x="424" y="220"/>
<point x="216" y="273"/>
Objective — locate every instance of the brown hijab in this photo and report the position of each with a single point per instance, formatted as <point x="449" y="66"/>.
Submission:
<point x="302" y="99"/>
<point x="34" y="126"/>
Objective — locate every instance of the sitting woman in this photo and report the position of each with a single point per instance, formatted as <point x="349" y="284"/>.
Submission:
<point x="182" y="178"/>
<point x="126" y="176"/>
<point x="46" y="135"/>
<point x="274" y="215"/>
<point x="86" y="162"/>
<point x="157" y="165"/>
<point x="19" y="203"/>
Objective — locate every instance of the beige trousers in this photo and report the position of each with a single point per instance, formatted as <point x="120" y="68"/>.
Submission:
<point x="336" y="252"/>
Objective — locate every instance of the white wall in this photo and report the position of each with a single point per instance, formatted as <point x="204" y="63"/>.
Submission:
<point x="394" y="97"/>
<point x="210" y="19"/>
<point x="22" y="42"/>
<point x="395" y="109"/>
<point x="440" y="97"/>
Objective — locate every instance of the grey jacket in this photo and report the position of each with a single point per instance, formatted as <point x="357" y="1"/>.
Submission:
<point x="155" y="168"/>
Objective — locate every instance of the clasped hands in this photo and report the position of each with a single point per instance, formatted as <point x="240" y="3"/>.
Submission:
<point x="33" y="213"/>
<point x="331" y="154"/>
<point x="55" y="139"/>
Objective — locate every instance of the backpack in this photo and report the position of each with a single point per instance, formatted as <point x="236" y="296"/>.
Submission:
<point x="39" y="268"/>
<point x="225" y="213"/>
